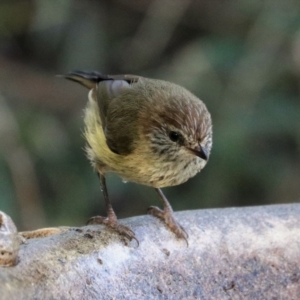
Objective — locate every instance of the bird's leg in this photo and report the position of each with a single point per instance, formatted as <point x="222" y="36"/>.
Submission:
<point x="167" y="216"/>
<point x="111" y="219"/>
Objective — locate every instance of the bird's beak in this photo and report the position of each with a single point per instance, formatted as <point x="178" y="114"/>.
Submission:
<point x="200" y="152"/>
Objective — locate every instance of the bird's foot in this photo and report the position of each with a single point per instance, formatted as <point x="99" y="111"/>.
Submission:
<point x="167" y="217"/>
<point x="122" y="230"/>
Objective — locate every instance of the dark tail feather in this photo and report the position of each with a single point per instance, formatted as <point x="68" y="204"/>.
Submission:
<point x="87" y="79"/>
<point x="90" y="79"/>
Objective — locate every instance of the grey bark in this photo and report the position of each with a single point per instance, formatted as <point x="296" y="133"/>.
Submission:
<point x="234" y="253"/>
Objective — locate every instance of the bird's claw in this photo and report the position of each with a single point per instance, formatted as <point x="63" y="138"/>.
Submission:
<point x="122" y="230"/>
<point x="168" y="218"/>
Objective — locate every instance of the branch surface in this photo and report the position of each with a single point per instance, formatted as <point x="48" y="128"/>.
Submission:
<point x="233" y="253"/>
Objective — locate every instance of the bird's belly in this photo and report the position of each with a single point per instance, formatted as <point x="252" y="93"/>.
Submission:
<point x="145" y="172"/>
<point x="163" y="175"/>
<point x="176" y="174"/>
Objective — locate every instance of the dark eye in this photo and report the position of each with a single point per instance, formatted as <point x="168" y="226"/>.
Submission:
<point x="174" y="136"/>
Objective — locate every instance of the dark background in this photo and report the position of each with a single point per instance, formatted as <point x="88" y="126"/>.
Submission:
<point x="241" y="57"/>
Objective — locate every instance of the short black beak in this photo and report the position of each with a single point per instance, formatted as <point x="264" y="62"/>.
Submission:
<point x="200" y="152"/>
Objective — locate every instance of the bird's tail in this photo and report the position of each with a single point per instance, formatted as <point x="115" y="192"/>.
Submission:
<point x="87" y="79"/>
<point x="90" y="79"/>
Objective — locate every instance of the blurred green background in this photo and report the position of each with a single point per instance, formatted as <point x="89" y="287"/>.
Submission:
<point x="241" y="57"/>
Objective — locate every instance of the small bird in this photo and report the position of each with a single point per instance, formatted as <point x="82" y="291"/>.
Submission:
<point x="147" y="131"/>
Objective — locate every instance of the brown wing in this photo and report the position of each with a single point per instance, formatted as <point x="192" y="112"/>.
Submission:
<point x="119" y="125"/>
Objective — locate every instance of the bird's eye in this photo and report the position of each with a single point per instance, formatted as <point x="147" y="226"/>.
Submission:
<point x="174" y="136"/>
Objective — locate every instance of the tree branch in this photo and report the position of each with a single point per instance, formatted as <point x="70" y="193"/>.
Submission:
<point x="234" y="253"/>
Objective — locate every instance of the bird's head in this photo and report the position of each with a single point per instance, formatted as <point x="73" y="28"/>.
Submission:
<point x="178" y="127"/>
